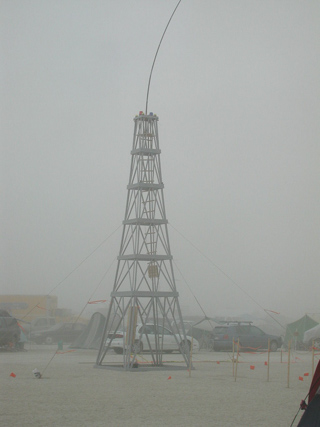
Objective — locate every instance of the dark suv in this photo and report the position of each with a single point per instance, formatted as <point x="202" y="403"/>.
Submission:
<point x="9" y="329"/>
<point x="66" y="332"/>
<point x="250" y="337"/>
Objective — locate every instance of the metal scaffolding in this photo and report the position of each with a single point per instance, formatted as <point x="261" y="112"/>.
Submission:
<point x="144" y="292"/>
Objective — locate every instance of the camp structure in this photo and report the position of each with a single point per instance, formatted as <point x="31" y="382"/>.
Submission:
<point x="311" y="416"/>
<point x="296" y="330"/>
<point x="312" y="335"/>
<point x="202" y="331"/>
<point x="91" y="336"/>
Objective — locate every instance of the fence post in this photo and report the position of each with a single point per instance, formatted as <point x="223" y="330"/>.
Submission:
<point x="268" y="359"/>
<point x="289" y="348"/>
<point x="312" y="357"/>
<point x="235" y="378"/>
<point x="190" y="355"/>
<point x="233" y="357"/>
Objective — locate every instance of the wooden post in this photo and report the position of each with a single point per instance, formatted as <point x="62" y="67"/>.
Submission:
<point x="268" y="359"/>
<point x="233" y="357"/>
<point x="235" y="378"/>
<point x="312" y="357"/>
<point x="281" y="357"/>
<point x="190" y="363"/>
<point x="288" y="378"/>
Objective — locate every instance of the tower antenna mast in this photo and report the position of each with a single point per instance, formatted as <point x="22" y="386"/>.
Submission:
<point x="155" y="56"/>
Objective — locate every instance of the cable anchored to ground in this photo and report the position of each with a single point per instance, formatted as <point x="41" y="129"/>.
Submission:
<point x="229" y="278"/>
<point x="75" y="269"/>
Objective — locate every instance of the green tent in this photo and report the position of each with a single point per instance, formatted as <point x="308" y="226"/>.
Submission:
<point x="295" y="330"/>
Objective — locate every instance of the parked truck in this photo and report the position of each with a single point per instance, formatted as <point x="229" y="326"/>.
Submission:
<point x="39" y="324"/>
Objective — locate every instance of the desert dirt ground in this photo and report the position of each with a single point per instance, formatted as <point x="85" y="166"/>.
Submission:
<point x="73" y="393"/>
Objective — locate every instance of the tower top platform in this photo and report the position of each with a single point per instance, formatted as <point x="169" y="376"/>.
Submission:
<point x="143" y="116"/>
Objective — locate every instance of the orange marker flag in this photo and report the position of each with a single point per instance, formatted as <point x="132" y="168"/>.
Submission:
<point x="97" y="301"/>
<point x="301" y="378"/>
<point x="252" y="367"/>
<point x="272" y="311"/>
<point x="13" y="375"/>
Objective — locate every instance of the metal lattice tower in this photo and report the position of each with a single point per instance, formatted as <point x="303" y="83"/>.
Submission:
<point x="144" y="290"/>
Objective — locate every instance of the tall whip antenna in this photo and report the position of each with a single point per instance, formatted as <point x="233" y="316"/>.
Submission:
<point x="155" y="57"/>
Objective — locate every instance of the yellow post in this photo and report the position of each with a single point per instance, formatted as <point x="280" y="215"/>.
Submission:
<point x="312" y="357"/>
<point x="235" y="378"/>
<point x="233" y="357"/>
<point x="131" y="325"/>
<point x="268" y="359"/>
<point x="190" y="363"/>
<point x="288" y="379"/>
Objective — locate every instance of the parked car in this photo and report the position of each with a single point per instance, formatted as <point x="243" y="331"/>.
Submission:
<point x="9" y="329"/>
<point x="65" y="332"/>
<point x="250" y="337"/>
<point x="146" y="334"/>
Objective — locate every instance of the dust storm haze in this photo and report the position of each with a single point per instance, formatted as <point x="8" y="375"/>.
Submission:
<point x="236" y="88"/>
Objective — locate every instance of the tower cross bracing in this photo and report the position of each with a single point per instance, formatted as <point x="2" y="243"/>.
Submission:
<point x="144" y="291"/>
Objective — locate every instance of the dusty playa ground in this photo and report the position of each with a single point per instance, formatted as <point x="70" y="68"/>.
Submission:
<point x="73" y="393"/>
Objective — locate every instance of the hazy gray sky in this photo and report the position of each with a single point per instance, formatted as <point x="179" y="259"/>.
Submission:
<point x="236" y="87"/>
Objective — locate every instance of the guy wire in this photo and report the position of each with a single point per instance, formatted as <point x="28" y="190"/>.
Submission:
<point x="85" y="305"/>
<point x="228" y="277"/>
<point x="71" y="272"/>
